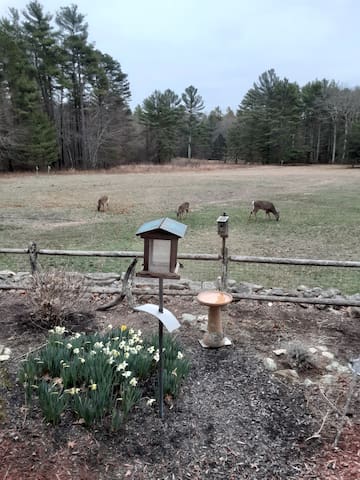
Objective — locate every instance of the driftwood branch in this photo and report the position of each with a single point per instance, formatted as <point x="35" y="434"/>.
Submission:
<point x="125" y="291"/>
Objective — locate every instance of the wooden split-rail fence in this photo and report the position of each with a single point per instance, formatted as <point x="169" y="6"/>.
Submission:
<point x="33" y="252"/>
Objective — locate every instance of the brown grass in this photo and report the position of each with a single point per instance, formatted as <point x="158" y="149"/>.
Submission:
<point x="318" y="205"/>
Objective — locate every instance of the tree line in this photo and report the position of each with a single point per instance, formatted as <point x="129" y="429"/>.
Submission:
<point x="65" y="104"/>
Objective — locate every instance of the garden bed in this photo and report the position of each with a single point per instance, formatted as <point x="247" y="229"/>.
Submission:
<point x="233" y="419"/>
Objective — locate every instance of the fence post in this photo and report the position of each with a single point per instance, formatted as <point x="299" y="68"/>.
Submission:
<point x="33" y="257"/>
<point x="225" y="265"/>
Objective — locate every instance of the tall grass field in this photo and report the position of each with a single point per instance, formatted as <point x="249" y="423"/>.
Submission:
<point x="319" y="218"/>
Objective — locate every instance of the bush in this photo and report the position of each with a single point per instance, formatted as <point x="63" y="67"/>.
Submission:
<point x="54" y="296"/>
<point x="99" y="376"/>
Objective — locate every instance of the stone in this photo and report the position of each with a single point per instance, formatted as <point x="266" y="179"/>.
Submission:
<point x="4" y="274"/>
<point x="354" y="312"/>
<point x="302" y="288"/>
<point x="316" y="291"/>
<point x="270" y="364"/>
<point x="327" y="354"/>
<point x="321" y="306"/>
<point x="278" y="292"/>
<point x="333" y="366"/>
<point x="280" y="351"/>
<point x="253" y="286"/>
<point x="308" y="382"/>
<point x="322" y="348"/>
<point x="188" y="318"/>
<point x="328" y="379"/>
<point x="355" y="296"/>
<point x="242" y="290"/>
<point x="289" y="374"/>
<point x="4" y="353"/>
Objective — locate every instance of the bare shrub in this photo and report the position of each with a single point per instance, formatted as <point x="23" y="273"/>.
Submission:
<point x="55" y="296"/>
<point x="298" y="356"/>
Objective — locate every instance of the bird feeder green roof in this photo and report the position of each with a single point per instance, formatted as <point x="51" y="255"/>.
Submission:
<point x="164" y="224"/>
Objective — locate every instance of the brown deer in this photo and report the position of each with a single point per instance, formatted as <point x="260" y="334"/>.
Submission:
<point x="183" y="210"/>
<point x="103" y="203"/>
<point x="268" y="207"/>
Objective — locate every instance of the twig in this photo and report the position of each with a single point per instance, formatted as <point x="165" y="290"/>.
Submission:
<point x="347" y="403"/>
<point x="31" y="351"/>
<point x="317" y="434"/>
<point x="332" y="405"/>
<point x="6" y="473"/>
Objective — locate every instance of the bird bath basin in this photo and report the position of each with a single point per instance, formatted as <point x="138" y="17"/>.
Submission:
<point x="214" y="299"/>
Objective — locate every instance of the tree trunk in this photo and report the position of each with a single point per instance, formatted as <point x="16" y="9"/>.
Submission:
<point x="334" y="143"/>
<point x="317" y="154"/>
<point x="346" y="133"/>
<point x="189" y="147"/>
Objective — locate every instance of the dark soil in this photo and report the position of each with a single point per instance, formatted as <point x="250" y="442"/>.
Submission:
<point x="232" y="420"/>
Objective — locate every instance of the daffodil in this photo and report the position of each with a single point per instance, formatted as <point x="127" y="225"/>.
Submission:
<point x="93" y="386"/>
<point x="133" y="382"/>
<point x="150" y="401"/>
<point x="123" y="328"/>
<point x="127" y="374"/>
<point x="180" y="355"/>
<point x="60" y="330"/>
<point x="72" y="391"/>
<point x="122" y="366"/>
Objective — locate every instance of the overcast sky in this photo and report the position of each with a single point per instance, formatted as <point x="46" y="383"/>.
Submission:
<point x="221" y="46"/>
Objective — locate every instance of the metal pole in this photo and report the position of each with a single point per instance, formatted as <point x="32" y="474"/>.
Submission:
<point x="161" y="358"/>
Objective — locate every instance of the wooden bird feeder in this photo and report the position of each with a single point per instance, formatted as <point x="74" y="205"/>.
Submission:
<point x="160" y="247"/>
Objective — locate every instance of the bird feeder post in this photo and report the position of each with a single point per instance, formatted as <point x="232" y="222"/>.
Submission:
<point x="160" y="261"/>
<point x="161" y="356"/>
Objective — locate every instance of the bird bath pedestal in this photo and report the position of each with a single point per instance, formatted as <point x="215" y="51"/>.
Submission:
<point x="214" y="299"/>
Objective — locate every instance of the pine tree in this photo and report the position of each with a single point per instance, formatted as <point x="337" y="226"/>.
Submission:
<point x="194" y="104"/>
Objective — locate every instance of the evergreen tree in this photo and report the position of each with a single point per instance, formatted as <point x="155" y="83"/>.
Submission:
<point x="194" y="104"/>
<point x="19" y="79"/>
<point x="161" y="115"/>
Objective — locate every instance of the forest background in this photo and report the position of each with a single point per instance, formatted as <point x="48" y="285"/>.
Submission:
<point x="66" y="105"/>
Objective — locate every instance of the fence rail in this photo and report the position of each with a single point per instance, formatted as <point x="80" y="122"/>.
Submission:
<point x="294" y="261"/>
<point x="33" y="252"/>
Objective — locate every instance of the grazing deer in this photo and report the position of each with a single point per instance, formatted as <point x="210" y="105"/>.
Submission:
<point x="103" y="203"/>
<point x="183" y="210"/>
<point x="268" y="207"/>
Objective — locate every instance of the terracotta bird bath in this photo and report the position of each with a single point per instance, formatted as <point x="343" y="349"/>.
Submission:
<point x="214" y="299"/>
